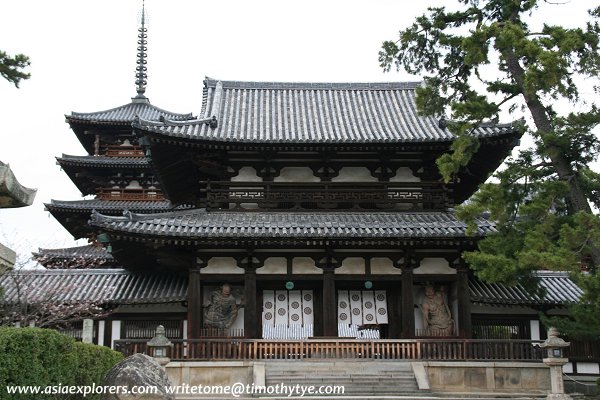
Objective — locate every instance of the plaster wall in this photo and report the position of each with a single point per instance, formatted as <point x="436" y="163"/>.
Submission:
<point x="588" y="368"/>
<point x="246" y="174"/>
<point x="222" y="265"/>
<point x="134" y="185"/>
<point x="273" y="265"/>
<point x="296" y="174"/>
<point x="383" y="266"/>
<point x="434" y="266"/>
<point x="305" y="265"/>
<point x="351" y="265"/>
<point x="354" y="174"/>
<point x="404" y="174"/>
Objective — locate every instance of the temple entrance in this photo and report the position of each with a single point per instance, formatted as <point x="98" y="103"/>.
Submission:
<point x="362" y="313"/>
<point x="288" y="314"/>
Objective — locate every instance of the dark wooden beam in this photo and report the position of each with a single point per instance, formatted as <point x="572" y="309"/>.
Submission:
<point x="329" y="303"/>
<point x="250" y="306"/>
<point x="408" y="308"/>
<point x="463" y="300"/>
<point x="194" y="301"/>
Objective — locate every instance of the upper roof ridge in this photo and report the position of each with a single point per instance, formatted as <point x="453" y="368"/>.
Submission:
<point x="408" y="85"/>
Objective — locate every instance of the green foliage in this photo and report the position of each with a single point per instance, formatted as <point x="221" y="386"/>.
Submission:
<point x="483" y="59"/>
<point x="33" y="356"/>
<point x="93" y="362"/>
<point x="585" y="316"/>
<point x="11" y="68"/>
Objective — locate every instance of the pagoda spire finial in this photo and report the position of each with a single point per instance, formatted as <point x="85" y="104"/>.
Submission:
<point x="140" y="70"/>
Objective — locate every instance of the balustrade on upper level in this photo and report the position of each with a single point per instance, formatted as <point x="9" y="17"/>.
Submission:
<point x="414" y="196"/>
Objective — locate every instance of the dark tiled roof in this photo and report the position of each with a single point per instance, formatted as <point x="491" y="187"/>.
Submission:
<point x="117" y="286"/>
<point x="74" y="252"/>
<point x="75" y="257"/>
<point x="202" y="224"/>
<point x="126" y="114"/>
<point x="103" y="161"/>
<point x="312" y="113"/>
<point x="109" y="206"/>
<point x="558" y="289"/>
<point x="108" y="286"/>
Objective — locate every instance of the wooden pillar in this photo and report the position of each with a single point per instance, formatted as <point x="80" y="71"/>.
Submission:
<point x="250" y="308"/>
<point x="408" y="302"/>
<point x="463" y="295"/>
<point x="329" y="303"/>
<point x="194" y="308"/>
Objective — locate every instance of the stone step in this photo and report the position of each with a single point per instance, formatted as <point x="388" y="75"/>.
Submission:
<point x="348" y="383"/>
<point x="405" y="396"/>
<point x="339" y="374"/>
<point x="346" y="378"/>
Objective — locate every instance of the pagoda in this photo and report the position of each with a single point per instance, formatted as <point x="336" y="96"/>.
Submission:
<point x="115" y="170"/>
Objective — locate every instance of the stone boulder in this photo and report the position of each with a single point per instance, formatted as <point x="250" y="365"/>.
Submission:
<point x="138" y="370"/>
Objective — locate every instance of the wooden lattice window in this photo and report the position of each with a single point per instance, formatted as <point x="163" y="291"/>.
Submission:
<point x="145" y="329"/>
<point x="500" y="327"/>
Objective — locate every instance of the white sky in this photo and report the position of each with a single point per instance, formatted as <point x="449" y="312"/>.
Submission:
<point x="83" y="55"/>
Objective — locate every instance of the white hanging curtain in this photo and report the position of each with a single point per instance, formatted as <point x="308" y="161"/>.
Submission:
<point x="281" y="305"/>
<point x="381" y="305"/>
<point x="343" y="308"/>
<point x="288" y="314"/>
<point x="356" y="307"/>
<point x="368" y="303"/>
<point x="295" y="308"/>
<point x="268" y="314"/>
<point x="308" y="315"/>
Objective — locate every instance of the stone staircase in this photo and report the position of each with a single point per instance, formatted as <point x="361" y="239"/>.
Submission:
<point x="362" y="380"/>
<point x="358" y="377"/>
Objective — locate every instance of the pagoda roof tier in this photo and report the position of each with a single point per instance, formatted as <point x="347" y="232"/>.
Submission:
<point x="104" y="286"/>
<point x="124" y="115"/>
<point x="117" y="121"/>
<point x="79" y="257"/>
<point x="199" y="224"/>
<point x="90" y="172"/>
<point x="119" y="286"/>
<point x="74" y="215"/>
<point x="12" y="193"/>
<point x="319" y="113"/>
<point x="102" y="161"/>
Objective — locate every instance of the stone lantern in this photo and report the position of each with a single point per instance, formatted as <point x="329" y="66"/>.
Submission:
<point x="554" y="346"/>
<point x="159" y="346"/>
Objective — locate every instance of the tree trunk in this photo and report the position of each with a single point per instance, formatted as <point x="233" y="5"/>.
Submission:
<point x="576" y="196"/>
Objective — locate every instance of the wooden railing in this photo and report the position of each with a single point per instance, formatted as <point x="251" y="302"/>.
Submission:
<point x="124" y="151"/>
<point x="130" y="194"/>
<point x="409" y="349"/>
<point x="583" y="350"/>
<point x="326" y="195"/>
<point x="222" y="333"/>
<point x="146" y="329"/>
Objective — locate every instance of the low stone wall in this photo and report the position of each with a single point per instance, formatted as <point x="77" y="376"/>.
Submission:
<point x="216" y="373"/>
<point x="487" y="376"/>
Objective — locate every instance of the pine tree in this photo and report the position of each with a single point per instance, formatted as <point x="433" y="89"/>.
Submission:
<point x="11" y="68"/>
<point x="484" y="59"/>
